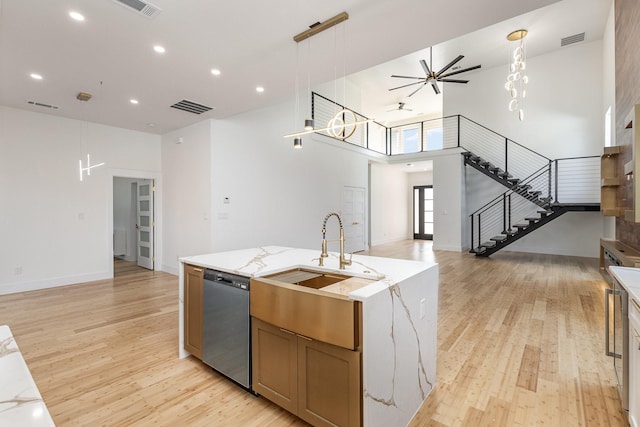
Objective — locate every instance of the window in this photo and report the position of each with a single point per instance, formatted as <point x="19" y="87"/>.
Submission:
<point x="405" y="140"/>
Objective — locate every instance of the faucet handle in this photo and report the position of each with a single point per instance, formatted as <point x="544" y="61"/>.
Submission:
<point x="347" y="261"/>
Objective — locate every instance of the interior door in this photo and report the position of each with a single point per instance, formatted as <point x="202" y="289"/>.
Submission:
<point x="145" y="223"/>
<point x="353" y="205"/>
<point x="423" y="212"/>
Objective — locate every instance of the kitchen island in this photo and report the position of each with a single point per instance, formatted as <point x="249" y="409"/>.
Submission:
<point x="399" y="320"/>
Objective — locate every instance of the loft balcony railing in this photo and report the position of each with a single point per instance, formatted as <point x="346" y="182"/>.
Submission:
<point x="560" y="181"/>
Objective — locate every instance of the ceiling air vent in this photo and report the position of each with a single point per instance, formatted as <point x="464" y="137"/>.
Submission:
<point x="41" y="104"/>
<point x="191" y="107"/>
<point x="576" y="38"/>
<point x="141" y="7"/>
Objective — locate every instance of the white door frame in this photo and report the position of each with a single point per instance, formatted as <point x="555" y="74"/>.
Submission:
<point x="128" y="173"/>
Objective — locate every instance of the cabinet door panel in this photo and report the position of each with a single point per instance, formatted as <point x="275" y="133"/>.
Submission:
<point x="275" y="364"/>
<point x="328" y="384"/>
<point x="193" y="286"/>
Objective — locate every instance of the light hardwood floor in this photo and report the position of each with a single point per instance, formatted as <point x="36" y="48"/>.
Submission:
<point x="520" y="341"/>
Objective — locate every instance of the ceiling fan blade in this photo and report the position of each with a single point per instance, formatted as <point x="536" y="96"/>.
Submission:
<point x="412" y="93"/>
<point x="461" y="71"/>
<point x="449" y="65"/>
<point x="435" y="87"/>
<point x="425" y="67"/>
<point x="453" y="81"/>
<point x="410" y="84"/>
<point x="407" y="77"/>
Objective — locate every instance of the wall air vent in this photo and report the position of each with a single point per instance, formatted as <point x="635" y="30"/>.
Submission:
<point x="576" y="38"/>
<point x="191" y="107"/>
<point x="42" y="104"/>
<point x="141" y="7"/>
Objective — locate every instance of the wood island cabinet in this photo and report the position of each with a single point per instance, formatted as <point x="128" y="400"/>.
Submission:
<point x="193" y="304"/>
<point x="319" y="382"/>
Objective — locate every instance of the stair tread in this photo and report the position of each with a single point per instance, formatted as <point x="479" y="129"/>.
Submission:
<point x="488" y="244"/>
<point x="533" y="218"/>
<point x="521" y="225"/>
<point x="499" y="238"/>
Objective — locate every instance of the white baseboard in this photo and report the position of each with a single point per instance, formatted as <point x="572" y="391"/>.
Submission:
<point x="13" y="288"/>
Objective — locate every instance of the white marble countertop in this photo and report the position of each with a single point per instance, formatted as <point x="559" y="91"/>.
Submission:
<point x="257" y="262"/>
<point x="629" y="278"/>
<point x="20" y="401"/>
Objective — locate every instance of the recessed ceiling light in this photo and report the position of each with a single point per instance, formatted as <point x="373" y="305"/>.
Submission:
<point x="259" y="89"/>
<point x="215" y="71"/>
<point x="159" y="48"/>
<point x="35" y="76"/>
<point x="151" y="125"/>
<point x="133" y="101"/>
<point x="76" y="16"/>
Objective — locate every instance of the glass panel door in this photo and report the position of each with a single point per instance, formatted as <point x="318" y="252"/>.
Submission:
<point x="423" y="212"/>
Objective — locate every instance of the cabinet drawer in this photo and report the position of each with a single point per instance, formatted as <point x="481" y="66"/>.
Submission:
<point x="329" y="318"/>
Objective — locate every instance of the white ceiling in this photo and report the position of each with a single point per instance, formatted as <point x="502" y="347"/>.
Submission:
<point x="110" y="54"/>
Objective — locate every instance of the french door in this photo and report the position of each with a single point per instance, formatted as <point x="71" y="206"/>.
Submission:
<point x="145" y="224"/>
<point x="423" y="212"/>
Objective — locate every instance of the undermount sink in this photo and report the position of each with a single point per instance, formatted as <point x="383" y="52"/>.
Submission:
<point x="308" y="278"/>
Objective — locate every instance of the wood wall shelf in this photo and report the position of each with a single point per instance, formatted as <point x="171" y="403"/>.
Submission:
<point x="609" y="182"/>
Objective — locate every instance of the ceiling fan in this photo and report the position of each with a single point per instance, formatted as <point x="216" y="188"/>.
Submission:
<point x="400" y="108"/>
<point x="433" y="77"/>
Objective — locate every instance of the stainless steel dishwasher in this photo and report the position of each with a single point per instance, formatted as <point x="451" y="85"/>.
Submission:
<point x="226" y="328"/>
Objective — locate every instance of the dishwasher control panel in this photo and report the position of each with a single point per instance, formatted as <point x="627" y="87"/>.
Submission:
<point x="228" y="279"/>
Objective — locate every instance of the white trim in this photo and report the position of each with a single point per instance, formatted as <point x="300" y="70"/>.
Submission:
<point x="12" y="288"/>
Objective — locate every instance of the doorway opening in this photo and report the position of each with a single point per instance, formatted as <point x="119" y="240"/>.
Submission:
<point x="133" y="224"/>
<point x="423" y="212"/>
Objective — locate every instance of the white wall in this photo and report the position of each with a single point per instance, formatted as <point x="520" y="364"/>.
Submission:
<point x="449" y="206"/>
<point x="278" y="195"/>
<point x="563" y="118"/>
<point x="55" y="229"/>
<point x="391" y="204"/>
<point x="187" y="171"/>
<point x="563" y="108"/>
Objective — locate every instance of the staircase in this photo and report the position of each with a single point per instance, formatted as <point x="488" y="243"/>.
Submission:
<point x="535" y="187"/>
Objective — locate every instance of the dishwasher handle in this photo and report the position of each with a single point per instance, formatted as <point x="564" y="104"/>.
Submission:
<point x="607" y="313"/>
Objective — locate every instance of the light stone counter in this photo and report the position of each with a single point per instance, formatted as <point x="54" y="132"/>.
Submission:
<point x="629" y="278"/>
<point x="20" y="401"/>
<point x="399" y="310"/>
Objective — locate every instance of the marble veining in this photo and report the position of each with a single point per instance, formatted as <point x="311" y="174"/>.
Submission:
<point x="259" y="260"/>
<point x="422" y="373"/>
<point x="4" y="347"/>
<point x="20" y="401"/>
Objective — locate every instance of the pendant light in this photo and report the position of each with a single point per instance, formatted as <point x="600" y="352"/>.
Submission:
<point x="517" y="78"/>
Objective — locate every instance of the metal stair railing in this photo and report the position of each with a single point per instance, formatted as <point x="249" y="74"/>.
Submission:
<point x="511" y="207"/>
<point x="500" y="151"/>
<point x="565" y="181"/>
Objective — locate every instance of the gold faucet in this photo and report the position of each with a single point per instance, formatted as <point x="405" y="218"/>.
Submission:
<point x="324" y="254"/>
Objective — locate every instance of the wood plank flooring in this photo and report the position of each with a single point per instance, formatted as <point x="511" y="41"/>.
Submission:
<point x="520" y="341"/>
